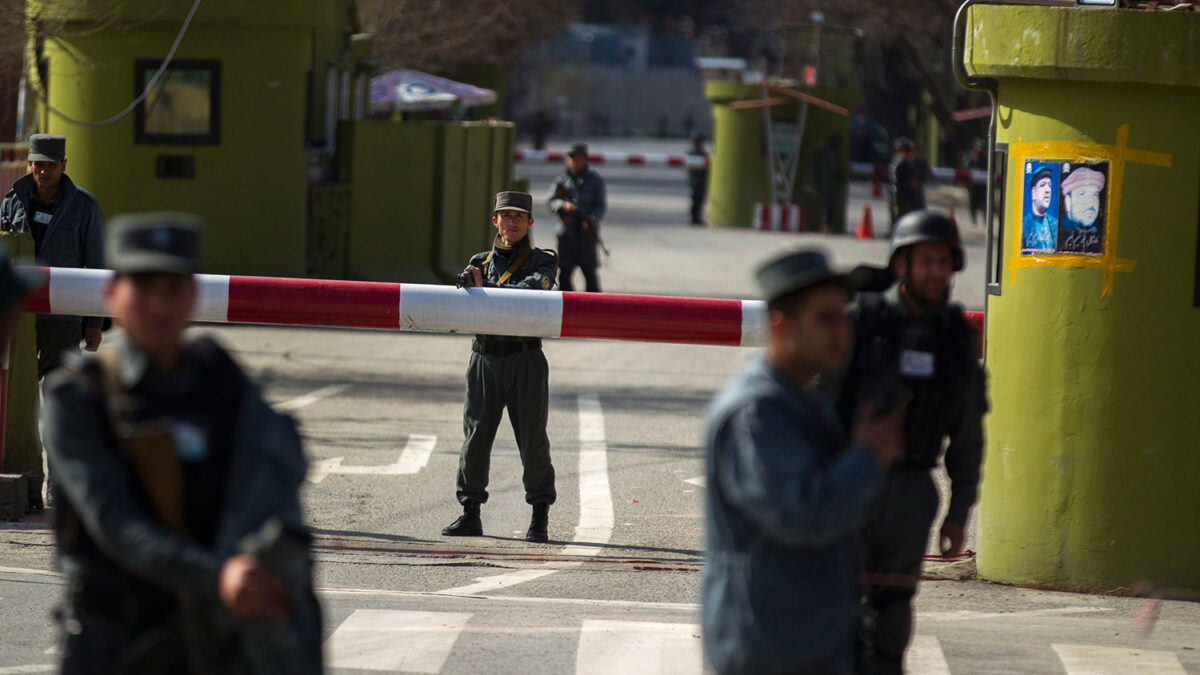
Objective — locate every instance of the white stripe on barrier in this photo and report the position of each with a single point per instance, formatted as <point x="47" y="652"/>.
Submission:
<point x="754" y="323"/>
<point x="631" y="158"/>
<point x="212" y="298"/>
<point x="445" y="309"/>
<point x="78" y="292"/>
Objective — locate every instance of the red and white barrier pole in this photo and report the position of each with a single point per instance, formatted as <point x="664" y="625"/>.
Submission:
<point x="628" y="158"/>
<point x="439" y="309"/>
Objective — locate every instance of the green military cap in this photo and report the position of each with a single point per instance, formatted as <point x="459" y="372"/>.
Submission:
<point x="47" y="148"/>
<point x="16" y="282"/>
<point x="579" y="149"/>
<point x="794" y="271"/>
<point x="154" y="242"/>
<point x="514" y="201"/>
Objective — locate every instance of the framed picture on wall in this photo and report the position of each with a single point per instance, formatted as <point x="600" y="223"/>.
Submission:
<point x="183" y="107"/>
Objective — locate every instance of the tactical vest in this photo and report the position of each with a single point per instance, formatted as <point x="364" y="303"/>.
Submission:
<point x="927" y="360"/>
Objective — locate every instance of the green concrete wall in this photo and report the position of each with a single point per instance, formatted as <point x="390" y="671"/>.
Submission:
<point x="738" y="177"/>
<point x="1092" y="459"/>
<point x="422" y="195"/>
<point x="22" y="449"/>
<point x="251" y="188"/>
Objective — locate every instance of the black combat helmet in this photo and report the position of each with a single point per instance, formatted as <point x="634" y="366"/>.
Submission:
<point x="926" y="225"/>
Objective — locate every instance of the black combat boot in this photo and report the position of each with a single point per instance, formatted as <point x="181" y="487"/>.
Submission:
<point x="539" y="523"/>
<point x="467" y="525"/>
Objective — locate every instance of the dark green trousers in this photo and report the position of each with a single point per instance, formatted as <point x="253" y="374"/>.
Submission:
<point x="518" y="383"/>
<point x="894" y="541"/>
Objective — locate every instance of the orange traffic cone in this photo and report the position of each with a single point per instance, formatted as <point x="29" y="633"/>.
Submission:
<point x="866" y="230"/>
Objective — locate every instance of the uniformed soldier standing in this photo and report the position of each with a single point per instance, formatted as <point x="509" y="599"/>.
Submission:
<point x="67" y="227"/>
<point x="507" y="372"/>
<point x="698" y="179"/>
<point x="914" y="345"/>
<point x="179" y="525"/>
<point x="579" y="200"/>
<point x="787" y="490"/>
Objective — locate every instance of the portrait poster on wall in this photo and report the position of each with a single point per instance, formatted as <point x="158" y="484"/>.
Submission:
<point x="1064" y="208"/>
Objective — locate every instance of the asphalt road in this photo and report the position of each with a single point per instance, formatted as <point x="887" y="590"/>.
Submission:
<point x="616" y="590"/>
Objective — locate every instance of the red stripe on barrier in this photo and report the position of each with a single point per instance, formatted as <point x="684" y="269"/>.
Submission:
<point x="803" y="220"/>
<point x="764" y="217"/>
<point x="555" y="157"/>
<point x="312" y="302"/>
<point x="652" y="318"/>
<point x="676" y="161"/>
<point x="518" y="155"/>
<point x="595" y="159"/>
<point x="39" y="300"/>
<point x="976" y="321"/>
<point x="636" y="160"/>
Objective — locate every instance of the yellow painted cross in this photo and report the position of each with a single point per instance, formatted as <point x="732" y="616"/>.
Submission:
<point x="1069" y="151"/>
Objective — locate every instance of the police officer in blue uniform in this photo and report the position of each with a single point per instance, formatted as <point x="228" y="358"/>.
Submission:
<point x="179" y="524"/>
<point x="914" y="348"/>
<point x="579" y="199"/>
<point x="507" y="372"/>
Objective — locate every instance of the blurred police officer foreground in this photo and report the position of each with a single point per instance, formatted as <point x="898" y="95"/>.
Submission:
<point x="788" y="490"/>
<point x="912" y="340"/>
<point x="179" y="522"/>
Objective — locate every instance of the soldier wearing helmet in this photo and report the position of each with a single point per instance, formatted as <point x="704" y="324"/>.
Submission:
<point x="914" y="348"/>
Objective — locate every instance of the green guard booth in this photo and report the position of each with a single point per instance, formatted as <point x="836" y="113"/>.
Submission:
<point x="1092" y="475"/>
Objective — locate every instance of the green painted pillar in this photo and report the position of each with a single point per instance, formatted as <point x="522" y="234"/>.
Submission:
<point x="22" y="448"/>
<point x="1093" y="458"/>
<point x="737" y="178"/>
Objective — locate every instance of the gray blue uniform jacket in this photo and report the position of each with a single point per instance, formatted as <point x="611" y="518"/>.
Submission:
<point x="786" y="497"/>
<point x="75" y="235"/>
<point x="586" y="190"/>
<point x="537" y="272"/>
<point x="258" y="483"/>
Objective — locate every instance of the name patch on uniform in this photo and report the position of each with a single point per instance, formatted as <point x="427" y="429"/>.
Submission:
<point x="42" y="217"/>
<point x="916" y="364"/>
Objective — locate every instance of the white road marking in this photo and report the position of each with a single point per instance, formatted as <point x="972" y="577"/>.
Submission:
<point x="637" y="647"/>
<point x="625" y="604"/>
<point x="595" y="498"/>
<point x="27" y="570"/>
<point x="54" y="650"/>
<point x="925" y="657"/>
<point x="13" y="670"/>
<point x="395" y="640"/>
<point x="493" y="583"/>
<point x="698" y="481"/>
<point x="595" y="505"/>
<point x="310" y="398"/>
<point x="968" y="615"/>
<point x="413" y="458"/>
<point x="1094" y="660"/>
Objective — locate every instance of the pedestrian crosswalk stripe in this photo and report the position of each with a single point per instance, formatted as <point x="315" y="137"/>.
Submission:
<point x="637" y="648"/>
<point x="1094" y="660"/>
<point x="496" y="582"/>
<point x="395" y="640"/>
<point x="924" y="657"/>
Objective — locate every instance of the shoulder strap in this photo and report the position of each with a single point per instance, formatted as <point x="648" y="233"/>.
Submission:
<point x="512" y="267"/>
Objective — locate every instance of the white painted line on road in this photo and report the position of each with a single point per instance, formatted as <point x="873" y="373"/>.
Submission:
<point x="925" y="657"/>
<point x="495" y="583"/>
<point x="698" y="481"/>
<point x="1094" y="660"/>
<point x="13" y="670"/>
<point x="968" y="615"/>
<point x="27" y="570"/>
<point x="54" y="650"/>
<point x="595" y="498"/>
<point x="595" y="504"/>
<point x="310" y="398"/>
<point x="638" y="647"/>
<point x="412" y="459"/>
<point x="394" y="640"/>
<point x="625" y="604"/>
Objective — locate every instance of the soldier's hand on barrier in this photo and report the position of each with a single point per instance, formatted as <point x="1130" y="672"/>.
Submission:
<point x="881" y="433"/>
<point x="248" y="591"/>
<point x="471" y="276"/>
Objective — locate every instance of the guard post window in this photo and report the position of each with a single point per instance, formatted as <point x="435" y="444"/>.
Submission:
<point x="183" y="108"/>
